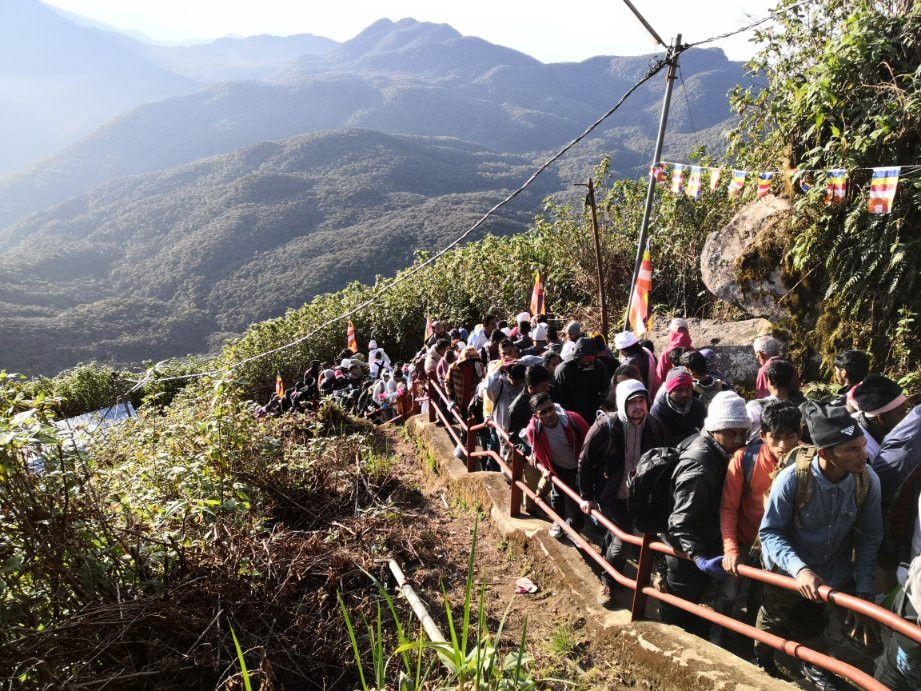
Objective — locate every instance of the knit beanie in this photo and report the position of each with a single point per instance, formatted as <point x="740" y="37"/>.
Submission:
<point x="677" y="323"/>
<point x="829" y="425"/>
<point x="677" y="377"/>
<point x="727" y="411"/>
<point x="540" y="332"/>
<point x="585" y="346"/>
<point x="876" y="395"/>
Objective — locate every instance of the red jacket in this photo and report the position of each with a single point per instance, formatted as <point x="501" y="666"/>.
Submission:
<point x="679" y="339"/>
<point x="575" y="427"/>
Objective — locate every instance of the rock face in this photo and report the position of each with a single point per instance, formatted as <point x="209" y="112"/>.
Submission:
<point x="740" y="263"/>
<point x="731" y="341"/>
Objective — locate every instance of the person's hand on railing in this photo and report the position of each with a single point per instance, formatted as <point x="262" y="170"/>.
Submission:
<point x="807" y="583"/>
<point x="711" y="567"/>
<point x="587" y="506"/>
<point x="861" y="628"/>
<point x="731" y="563"/>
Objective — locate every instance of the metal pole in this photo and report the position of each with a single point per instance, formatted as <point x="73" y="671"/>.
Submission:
<point x="601" y="297"/>
<point x="672" y="59"/>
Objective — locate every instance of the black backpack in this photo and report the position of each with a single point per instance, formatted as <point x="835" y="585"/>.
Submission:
<point x="651" y="494"/>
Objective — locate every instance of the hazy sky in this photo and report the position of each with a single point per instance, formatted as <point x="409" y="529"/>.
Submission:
<point x="550" y="31"/>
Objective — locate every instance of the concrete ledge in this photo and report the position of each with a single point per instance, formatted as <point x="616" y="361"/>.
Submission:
<point x="663" y="655"/>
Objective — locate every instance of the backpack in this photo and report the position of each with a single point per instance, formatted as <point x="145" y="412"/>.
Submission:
<point x="802" y="457"/>
<point x="748" y="465"/>
<point x="650" y="492"/>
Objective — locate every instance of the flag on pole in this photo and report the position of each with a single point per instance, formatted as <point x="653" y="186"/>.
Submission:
<point x="279" y="385"/>
<point x="882" y="189"/>
<point x="678" y="179"/>
<point x="836" y="186"/>
<point x="737" y="184"/>
<point x="693" y="188"/>
<point x="657" y="172"/>
<point x="429" y="329"/>
<point x="537" y="297"/>
<point x="639" y="298"/>
<point x="715" y="178"/>
<point x="764" y="184"/>
<point x="352" y="344"/>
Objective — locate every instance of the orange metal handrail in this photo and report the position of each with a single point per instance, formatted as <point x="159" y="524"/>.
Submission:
<point x="648" y="545"/>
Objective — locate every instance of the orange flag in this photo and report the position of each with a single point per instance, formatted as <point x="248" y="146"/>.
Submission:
<point x="279" y="385"/>
<point x="537" y="297"/>
<point x="353" y="344"/>
<point x="639" y="299"/>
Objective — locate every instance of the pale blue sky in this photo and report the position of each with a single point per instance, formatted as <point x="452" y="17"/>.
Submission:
<point x="549" y="31"/>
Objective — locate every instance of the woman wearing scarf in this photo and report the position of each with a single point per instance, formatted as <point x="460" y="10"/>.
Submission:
<point x="677" y="409"/>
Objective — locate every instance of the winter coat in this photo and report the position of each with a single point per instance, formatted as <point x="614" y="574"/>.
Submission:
<point x="581" y="390"/>
<point x="899" y="455"/>
<point x="461" y="381"/>
<point x="679" y="426"/>
<point x="600" y="471"/>
<point x="678" y="339"/>
<point x="694" y="526"/>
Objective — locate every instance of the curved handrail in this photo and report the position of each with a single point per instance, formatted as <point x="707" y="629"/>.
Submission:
<point x="797" y="650"/>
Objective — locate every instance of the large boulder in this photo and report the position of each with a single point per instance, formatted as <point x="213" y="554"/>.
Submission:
<point x="731" y="341"/>
<point x="741" y="262"/>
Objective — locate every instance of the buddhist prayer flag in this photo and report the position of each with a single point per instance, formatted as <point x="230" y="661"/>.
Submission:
<point x="693" y="188"/>
<point x="678" y="179"/>
<point x="882" y="189"/>
<point x="737" y="183"/>
<point x="639" y="299"/>
<point x="352" y="344"/>
<point x="657" y="172"/>
<point x="764" y="184"/>
<point x="279" y="385"/>
<point x="537" y="297"/>
<point x="429" y="329"/>
<point x="714" y="178"/>
<point x="836" y="186"/>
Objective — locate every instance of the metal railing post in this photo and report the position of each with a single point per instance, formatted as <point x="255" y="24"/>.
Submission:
<point x="517" y="475"/>
<point x="471" y="444"/>
<point x="430" y="388"/>
<point x="643" y="572"/>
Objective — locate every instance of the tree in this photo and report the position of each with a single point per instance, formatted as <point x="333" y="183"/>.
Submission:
<point x="842" y="91"/>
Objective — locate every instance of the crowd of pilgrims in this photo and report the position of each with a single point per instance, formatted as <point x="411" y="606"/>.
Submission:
<point x="824" y="491"/>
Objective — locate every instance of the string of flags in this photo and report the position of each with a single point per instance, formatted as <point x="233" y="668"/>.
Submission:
<point x="688" y="180"/>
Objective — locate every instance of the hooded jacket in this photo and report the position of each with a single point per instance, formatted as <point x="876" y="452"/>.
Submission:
<point x="601" y="463"/>
<point x="573" y="424"/>
<point x="581" y="390"/>
<point x="678" y="339"/>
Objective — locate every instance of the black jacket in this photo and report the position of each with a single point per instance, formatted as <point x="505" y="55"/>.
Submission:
<point x="694" y="526"/>
<point x="581" y="390"/>
<point x="600" y="471"/>
<point x="679" y="426"/>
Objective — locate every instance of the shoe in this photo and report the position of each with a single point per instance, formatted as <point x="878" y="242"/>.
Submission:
<point x="769" y="667"/>
<point x="556" y="531"/>
<point x="822" y="679"/>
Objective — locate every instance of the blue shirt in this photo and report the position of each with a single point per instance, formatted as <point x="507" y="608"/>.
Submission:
<point x="823" y="542"/>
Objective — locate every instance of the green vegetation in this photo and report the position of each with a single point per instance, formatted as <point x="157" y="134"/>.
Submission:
<point x="844" y="91"/>
<point x="470" y="657"/>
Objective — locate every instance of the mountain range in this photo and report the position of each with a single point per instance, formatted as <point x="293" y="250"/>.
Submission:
<point x="207" y="204"/>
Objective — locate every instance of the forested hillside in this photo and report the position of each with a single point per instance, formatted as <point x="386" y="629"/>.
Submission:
<point x="163" y="264"/>
<point x="404" y="78"/>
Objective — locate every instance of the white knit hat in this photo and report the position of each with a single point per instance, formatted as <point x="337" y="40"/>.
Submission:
<point x="677" y="323"/>
<point x="372" y="344"/>
<point x="540" y="332"/>
<point x="727" y="411"/>
<point x="523" y="317"/>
